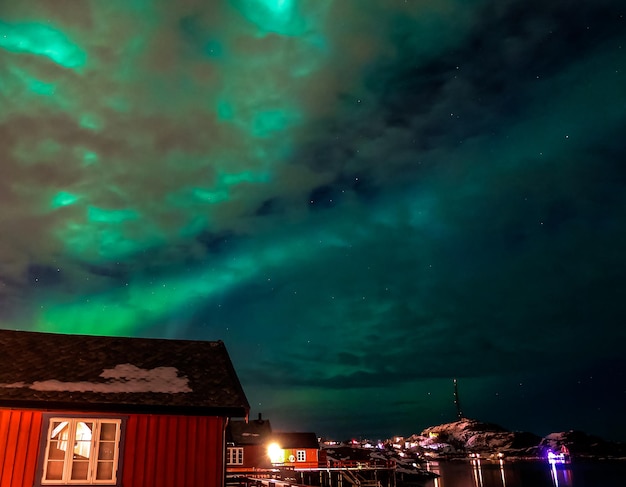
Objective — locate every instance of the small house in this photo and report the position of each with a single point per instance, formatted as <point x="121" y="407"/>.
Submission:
<point x="134" y="412"/>
<point x="297" y="450"/>
<point x="246" y="445"/>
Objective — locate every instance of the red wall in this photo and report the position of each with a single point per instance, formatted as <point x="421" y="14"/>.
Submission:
<point x="19" y="446"/>
<point x="173" y="451"/>
<point x="158" y="451"/>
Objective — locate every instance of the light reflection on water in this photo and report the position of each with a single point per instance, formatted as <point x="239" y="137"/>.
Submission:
<point x="561" y="477"/>
<point x="498" y="473"/>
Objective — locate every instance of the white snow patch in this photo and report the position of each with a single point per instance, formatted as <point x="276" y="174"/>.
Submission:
<point x="121" y="378"/>
<point x="14" y="385"/>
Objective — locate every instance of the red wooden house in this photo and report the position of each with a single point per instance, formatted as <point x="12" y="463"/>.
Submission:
<point x="297" y="450"/>
<point x="132" y="412"/>
<point x="246" y="445"/>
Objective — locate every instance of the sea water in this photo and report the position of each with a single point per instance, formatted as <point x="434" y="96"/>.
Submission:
<point x="477" y="473"/>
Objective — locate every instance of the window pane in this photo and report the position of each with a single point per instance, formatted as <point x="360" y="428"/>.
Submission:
<point x="107" y="450"/>
<point x="104" y="471"/>
<point x="80" y="469"/>
<point x="55" y="452"/>
<point x="107" y="431"/>
<point x="59" y="434"/>
<point x="59" y="430"/>
<point x="82" y="443"/>
<point x="54" y="471"/>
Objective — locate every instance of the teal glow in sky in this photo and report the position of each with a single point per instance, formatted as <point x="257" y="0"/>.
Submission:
<point x="41" y="40"/>
<point x="362" y="199"/>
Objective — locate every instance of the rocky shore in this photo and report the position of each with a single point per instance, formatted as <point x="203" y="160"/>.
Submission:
<point x="469" y="438"/>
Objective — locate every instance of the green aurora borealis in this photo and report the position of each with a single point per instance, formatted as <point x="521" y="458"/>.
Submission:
<point x="362" y="198"/>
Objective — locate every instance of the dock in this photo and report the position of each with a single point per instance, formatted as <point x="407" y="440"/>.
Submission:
<point x="348" y="473"/>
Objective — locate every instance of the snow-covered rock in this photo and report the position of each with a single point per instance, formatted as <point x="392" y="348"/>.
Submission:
<point x="469" y="435"/>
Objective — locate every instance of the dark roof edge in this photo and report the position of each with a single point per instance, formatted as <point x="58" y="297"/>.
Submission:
<point x="233" y="373"/>
<point x="231" y="411"/>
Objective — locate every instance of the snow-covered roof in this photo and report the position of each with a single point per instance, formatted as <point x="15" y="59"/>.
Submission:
<point x="83" y="372"/>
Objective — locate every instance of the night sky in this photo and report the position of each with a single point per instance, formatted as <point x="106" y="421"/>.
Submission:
<point x="364" y="199"/>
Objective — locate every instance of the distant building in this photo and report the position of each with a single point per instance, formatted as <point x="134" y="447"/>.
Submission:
<point x="252" y="445"/>
<point x="297" y="450"/>
<point x="246" y="445"/>
<point x="131" y="412"/>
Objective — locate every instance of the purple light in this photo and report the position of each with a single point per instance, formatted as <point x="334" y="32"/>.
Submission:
<point x="556" y="458"/>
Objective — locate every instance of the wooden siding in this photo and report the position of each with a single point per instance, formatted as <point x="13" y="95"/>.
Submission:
<point x="173" y="451"/>
<point x="19" y="447"/>
<point x="311" y="458"/>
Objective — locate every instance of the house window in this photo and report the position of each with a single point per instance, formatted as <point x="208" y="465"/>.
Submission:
<point x="234" y="456"/>
<point x="82" y="451"/>
<point x="301" y="455"/>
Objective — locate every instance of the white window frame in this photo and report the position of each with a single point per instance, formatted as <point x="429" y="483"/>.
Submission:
<point x="300" y="455"/>
<point x="234" y="455"/>
<point x="94" y="451"/>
